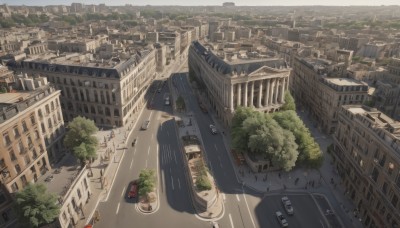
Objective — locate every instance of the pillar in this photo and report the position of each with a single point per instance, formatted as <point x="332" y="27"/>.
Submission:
<point x="260" y="88"/>
<point x="271" y="95"/>
<point x="231" y="98"/>
<point x="239" y="94"/>
<point x="276" y="90"/>
<point x="282" y="100"/>
<point x="251" y="94"/>
<point x="266" y="94"/>
<point x="245" y="94"/>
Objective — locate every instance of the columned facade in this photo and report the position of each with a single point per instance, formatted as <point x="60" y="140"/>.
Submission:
<point x="231" y="85"/>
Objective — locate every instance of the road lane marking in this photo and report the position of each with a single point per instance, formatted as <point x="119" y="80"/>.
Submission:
<point x="322" y="224"/>
<point x="151" y="113"/>
<point x="215" y="145"/>
<point x="230" y="219"/>
<point x="223" y="196"/>
<point x="175" y="159"/>
<point x="179" y="183"/>
<point x="130" y="167"/>
<point x="172" y="181"/>
<point x="148" y="151"/>
<point x="122" y="193"/>
<point x="237" y="197"/>
<point x="117" y="209"/>
<point x="146" y="163"/>
<point x="248" y="208"/>
<point x="152" y="136"/>
<point x="167" y="132"/>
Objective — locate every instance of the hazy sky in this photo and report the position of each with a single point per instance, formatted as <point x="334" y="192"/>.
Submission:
<point x="206" y="2"/>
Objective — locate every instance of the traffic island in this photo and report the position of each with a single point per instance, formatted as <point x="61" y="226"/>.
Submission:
<point x="148" y="200"/>
<point x="205" y="195"/>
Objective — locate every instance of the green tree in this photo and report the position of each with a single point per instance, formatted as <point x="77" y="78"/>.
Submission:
<point x="309" y="152"/>
<point x="35" y="206"/>
<point x="240" y="136"/>
<point x="146" y="181"/>
<point x="80" y="138"/>
<point x="289" y="102"/>
<point x="180" y="103"/>
<point x="203" y="183"/>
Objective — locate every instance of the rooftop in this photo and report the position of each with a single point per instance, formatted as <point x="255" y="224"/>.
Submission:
<point x="344" y="81"/>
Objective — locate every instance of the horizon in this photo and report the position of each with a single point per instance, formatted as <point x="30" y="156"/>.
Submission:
<point x="282" y="3"/>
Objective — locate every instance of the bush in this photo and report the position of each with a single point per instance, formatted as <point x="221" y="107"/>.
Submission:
<point x="203" y="183"/>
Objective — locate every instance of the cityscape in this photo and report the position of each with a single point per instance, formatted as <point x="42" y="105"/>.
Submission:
<point x="228" y="115"/>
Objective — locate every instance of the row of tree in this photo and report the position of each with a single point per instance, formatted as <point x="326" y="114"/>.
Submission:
<point x="281" y="137"/>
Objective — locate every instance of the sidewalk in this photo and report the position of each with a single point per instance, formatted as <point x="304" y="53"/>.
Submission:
<point x="105" y="166"/>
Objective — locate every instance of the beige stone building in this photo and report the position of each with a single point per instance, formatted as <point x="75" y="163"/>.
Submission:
<point x="367" y="157"/>
<point x="106" y="91"/>
<point x="233" y="81"/>
<point x="317" y="86"/>
<point x="31" y="127"/>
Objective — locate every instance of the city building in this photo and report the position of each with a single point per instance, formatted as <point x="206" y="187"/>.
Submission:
<point x="31" y="125"/>
<point x="367" y="157"/>
<point x="234" y="79"/>
<point x="317" y="85"/>
<point x="107" y="92"/>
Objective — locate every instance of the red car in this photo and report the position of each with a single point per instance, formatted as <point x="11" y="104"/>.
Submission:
<point x="133" y="190"/>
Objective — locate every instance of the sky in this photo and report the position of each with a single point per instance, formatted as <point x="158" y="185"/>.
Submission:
<point x="207" y="2"/>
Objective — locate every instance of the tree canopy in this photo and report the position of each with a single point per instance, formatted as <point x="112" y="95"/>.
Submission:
<point x="35" y="206"/>
<point x="289" y="102"/>
<point x="281" y="137"/>
<point x="309" y="152"/>
<point x="80" y="138"/>
<point x="146" y="181"/>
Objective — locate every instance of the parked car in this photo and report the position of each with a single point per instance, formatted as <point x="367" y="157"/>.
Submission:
<point x="145" y="125"/>
<point x="133" y="190"/>
<point x="282" y="220"/>
<point x="287" y="205"/>
<point x="213" y="129"/>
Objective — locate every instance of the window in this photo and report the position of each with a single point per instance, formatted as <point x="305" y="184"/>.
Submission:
<point x="27" y="160"/>
<point x="40" y="113"/>
<point x="85" y="183"/>
<point x="21" y="147"/>
<point x="390" y="168"/>
<point x="14" y="187"/>
<point x="33" y="121"/>
<point x="17" y="169"/>
<point x="47" y="109"/>
<point x="24" y="127"/>
<point x="6" y="139"/>
<point x="43" y="128"/>
<point x="395" y="200"/>
<point x="79" y="193"/>
<point x="12" y="155"/>
<point x="375" y="174"/>
<point x="16" y="132"/>
<point x="385" y="188"/>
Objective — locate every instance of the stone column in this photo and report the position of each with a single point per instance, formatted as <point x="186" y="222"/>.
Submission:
<point x="260" y="88"/>
<point x="276" y="90"/>
<point x="239" y="94"/>
<point x="245" y="103"/>
<point x="282" y="100"/>
<point x="266" y="94"/>
<point x="271" y="95"/>
<point x="231" y="97"/>
<point x="251" y="94"/>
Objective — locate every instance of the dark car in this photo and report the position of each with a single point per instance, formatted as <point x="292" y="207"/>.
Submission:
<point x="133" y="190"/>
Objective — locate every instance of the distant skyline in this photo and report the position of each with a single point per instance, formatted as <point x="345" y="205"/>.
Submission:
<point x="207" y="2"/>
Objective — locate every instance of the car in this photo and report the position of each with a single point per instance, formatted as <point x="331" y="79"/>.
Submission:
<point x="145" y="125"/>
<point x="213" y="129"/>
<point x="133" y="189"/>
<point x="166" y="102"/>
<point x="287" y="205"/>
<point x="282" y="220"/>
